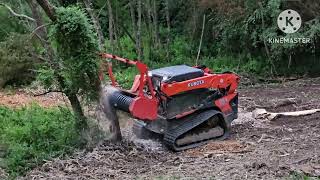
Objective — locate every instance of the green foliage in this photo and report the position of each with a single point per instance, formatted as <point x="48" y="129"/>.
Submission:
<point x="128" y="48"/>
<point x="125" y="76"/>
<point x="77" y="51"/>
<point x="180" y="51"/>
<point x="46" y="75"/>
<point x="299" y="176"/>
<point x="9" y="24"/>
<point x="16" y="59"/>
<point x="33" y="134"/>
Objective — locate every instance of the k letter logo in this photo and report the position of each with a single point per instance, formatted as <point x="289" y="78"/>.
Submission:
<point x="289" y="21"/>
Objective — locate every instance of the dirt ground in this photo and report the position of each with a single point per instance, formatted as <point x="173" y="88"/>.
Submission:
<point x="23" y="97"/>
<point x="256" y="149"/>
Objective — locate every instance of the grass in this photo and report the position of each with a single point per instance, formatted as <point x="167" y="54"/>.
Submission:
<point x="300" y="176"/>
<point x="30" y="135"/>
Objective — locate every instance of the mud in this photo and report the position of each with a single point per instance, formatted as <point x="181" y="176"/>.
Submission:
<point x="256" y="149"/>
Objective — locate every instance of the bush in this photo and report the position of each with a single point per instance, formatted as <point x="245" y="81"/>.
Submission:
<point x="76" y="47"/>
<point x="33" y="134"/>
<point x="16" y="59"/>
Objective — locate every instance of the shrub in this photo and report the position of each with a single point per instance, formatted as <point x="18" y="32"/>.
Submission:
<point x="77" y="52"/>
<point x="16" y="59"/>
<point x="32" y="134"/>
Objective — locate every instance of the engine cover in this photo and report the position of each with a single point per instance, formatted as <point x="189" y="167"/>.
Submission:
<point x="176" y="73"/>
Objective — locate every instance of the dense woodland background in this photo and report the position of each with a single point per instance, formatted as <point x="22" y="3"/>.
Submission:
<point x="162" y="32"/>
<point x="57" y="43"/>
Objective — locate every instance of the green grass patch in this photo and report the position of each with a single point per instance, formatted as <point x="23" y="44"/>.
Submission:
<point x="300" y="176"/>
<point x="33" y="134"/>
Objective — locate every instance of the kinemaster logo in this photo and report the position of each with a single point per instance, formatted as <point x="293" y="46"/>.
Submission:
<point x="289" y="22"/>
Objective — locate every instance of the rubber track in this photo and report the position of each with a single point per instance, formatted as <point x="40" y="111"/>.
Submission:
<point x="190" y="122"/>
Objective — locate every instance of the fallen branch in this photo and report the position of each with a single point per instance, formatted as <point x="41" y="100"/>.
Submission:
<point x="16" y="14"/>
<point x="264" y="114"/>
<point x="45" y="93"/>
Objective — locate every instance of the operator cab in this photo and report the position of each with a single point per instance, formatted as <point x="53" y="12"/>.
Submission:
<point x="175" y="74"/>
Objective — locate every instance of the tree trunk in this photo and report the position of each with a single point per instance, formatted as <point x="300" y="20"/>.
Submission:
<point x="149" y="17"/>
<point x="81" y="123"/>
<point x="132" y="4"/>
<point x="111" y="27"/>
<point x="42" y="31"/>
<point x="168" y="28"/>
<point x="194" y="21"/>
<point x="135" y="25"/>
<point x="139" y="30"/>
<point x="48" y="9"/>
<point x="74" y="101"/>
<point x="96" y="24"/>
<point x="155" y="24"/>
<point x="116" y="27"/>
<point x="150" y="29"/>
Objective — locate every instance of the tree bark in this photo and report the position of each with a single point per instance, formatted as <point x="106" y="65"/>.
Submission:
<point x="116" y="27"/>
<point x="149" y="17"/>
<point x="41" y="30"/>
<point x="48" y="9"/>
<point x="150" y="29"/>
<point x="111" y="27"/>
<point x="155" y="24"/>
<point x="133" y="16"/>
<point x="139" y="30"/>
<point x="96" y="23"/>
<point x="132" y="4"/>
<point x="167" y="11"/>
<point x="81" y="123"/>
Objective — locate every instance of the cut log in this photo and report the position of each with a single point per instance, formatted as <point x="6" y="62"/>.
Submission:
<point x="264" y="114"/>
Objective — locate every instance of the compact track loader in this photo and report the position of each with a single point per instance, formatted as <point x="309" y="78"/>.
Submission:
<point x="185" y="106"/>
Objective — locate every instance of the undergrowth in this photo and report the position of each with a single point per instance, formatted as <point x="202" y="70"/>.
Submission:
<point x="30" y="135"/>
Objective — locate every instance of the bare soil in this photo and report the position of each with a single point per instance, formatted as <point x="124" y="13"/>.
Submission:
<point x="22" y="97"/>
<point x="257" y="149"/>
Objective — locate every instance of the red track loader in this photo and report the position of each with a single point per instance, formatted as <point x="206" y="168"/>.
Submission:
<point x="186" y="106"/>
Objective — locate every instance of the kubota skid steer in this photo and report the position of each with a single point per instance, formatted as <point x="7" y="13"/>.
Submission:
<point x="186" y="106"/>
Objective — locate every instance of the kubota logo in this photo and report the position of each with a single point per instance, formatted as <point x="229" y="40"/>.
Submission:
<point x="196" y="83"/>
